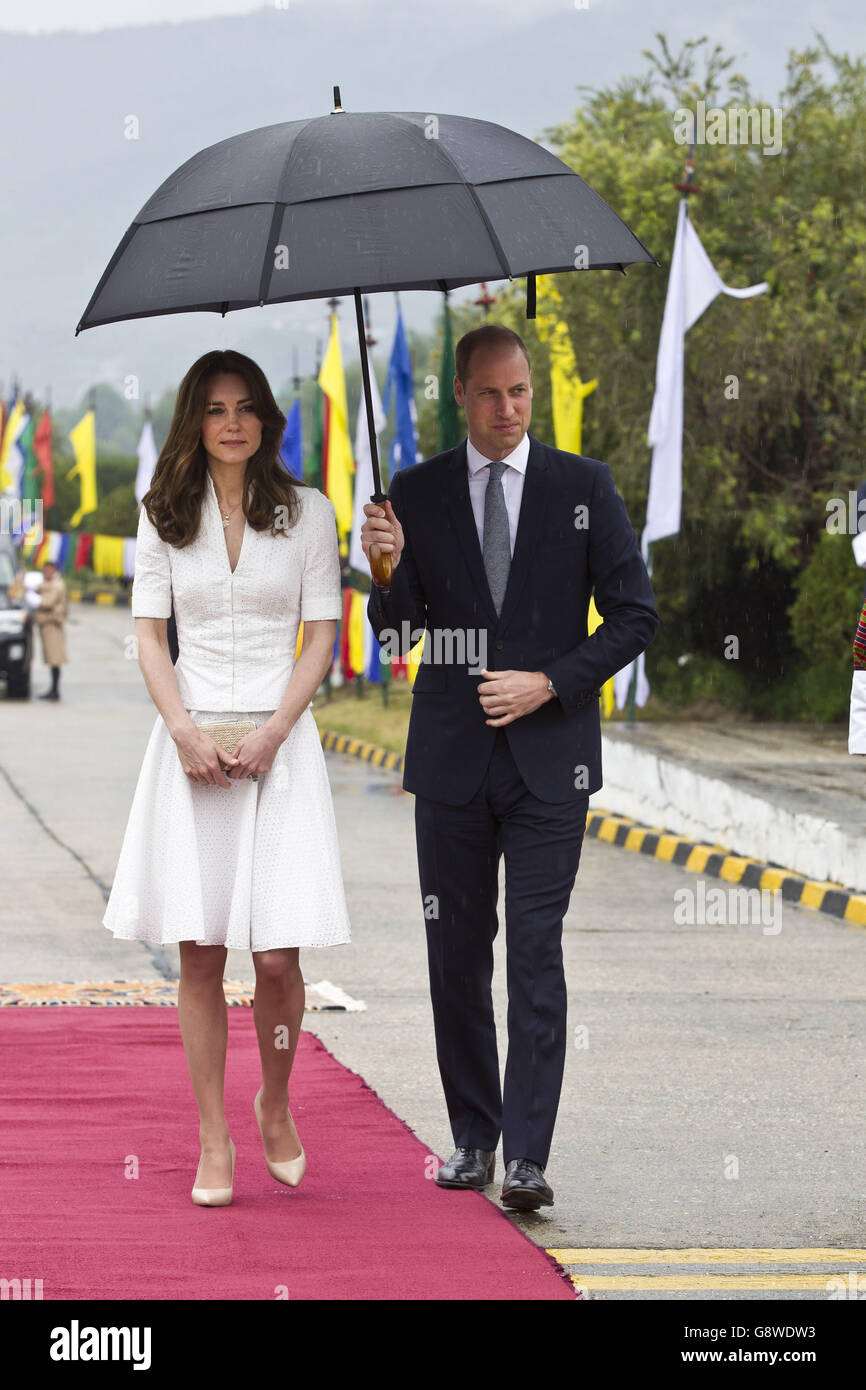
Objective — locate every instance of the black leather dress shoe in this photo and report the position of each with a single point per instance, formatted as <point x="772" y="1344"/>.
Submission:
<point x="525" y="1187"/>
<point x="467" y="1168"/>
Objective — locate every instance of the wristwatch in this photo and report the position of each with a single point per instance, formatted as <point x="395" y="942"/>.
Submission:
<point x="550" y="687"/>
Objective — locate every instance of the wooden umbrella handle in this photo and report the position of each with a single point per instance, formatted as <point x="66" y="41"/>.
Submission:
<point x="380" y="567"/>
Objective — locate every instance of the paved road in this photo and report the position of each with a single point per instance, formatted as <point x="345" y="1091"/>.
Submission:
<point x="714" y="1094"/>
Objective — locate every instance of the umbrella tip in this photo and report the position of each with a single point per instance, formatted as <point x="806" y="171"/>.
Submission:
<point x="337" y="106"/>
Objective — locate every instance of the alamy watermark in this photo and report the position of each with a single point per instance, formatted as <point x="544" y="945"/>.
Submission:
<point x="444" y="646"/>
<point x="19" y="518"/>
<point x="845" y="517"/>
<point x="736" y="125"/>
<point x="723" y="907"/>
<point x="20" y="1290"/>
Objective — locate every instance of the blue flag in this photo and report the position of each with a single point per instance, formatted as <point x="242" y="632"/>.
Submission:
<point x="373" y="672"/>
<point x="400" y="378"/>
<point x="291" y="455"/>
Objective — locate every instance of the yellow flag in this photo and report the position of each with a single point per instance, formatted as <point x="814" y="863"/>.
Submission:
<point x="568" y="393"/>
<point x="108" y="555"/>
<point x="413" y="660"/>
<point x="339" y="465"/>
<point x="357" y="618"/>
<point x="83" y="438"/>
<point x="567" y="390"/>
<point x="593" y="618"/>
<point x="6" y="479"/>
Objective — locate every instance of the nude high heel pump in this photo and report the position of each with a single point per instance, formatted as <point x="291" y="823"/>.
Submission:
<point x="291" y="1170"/>
<point x="215" y="1196"/>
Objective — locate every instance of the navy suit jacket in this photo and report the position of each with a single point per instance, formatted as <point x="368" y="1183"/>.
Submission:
<point x="574" y="538"/>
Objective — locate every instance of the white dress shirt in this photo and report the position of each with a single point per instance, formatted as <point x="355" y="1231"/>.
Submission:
<point x="512" y="485"/>
<point x="237" y="632"/>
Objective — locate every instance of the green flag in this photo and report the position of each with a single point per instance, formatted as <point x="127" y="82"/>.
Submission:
<point x="313" y="471"/>
<point x="30" y="490"/>
<point x="450" y="426"/>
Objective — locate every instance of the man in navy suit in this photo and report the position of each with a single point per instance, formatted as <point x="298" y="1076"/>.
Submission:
<point x="496" y="547"/>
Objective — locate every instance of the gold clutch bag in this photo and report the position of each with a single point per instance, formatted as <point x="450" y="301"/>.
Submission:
<point x="228" y="733"/>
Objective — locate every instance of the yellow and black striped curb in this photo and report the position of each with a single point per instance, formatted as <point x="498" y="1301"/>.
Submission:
<point x="102" y="596"/>
<point x="713" y="860"/>
<point x="357" y="748"/>
<point x="840" y="1279"/>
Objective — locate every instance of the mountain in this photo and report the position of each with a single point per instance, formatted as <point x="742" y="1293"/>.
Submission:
<point x="75" y="181"/>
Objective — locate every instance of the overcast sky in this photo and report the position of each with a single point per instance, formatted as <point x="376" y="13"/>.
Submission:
<point x="79" y="181"/>
<point x="47" y="16"/>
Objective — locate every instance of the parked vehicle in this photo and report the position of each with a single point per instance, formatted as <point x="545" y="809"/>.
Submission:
<point x="16" y="625"/>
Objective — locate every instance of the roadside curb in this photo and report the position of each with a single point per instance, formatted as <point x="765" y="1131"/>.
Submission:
<point x="357" y="748"/>
<point x="103" y="596"/>
<point x="833" y="899"/>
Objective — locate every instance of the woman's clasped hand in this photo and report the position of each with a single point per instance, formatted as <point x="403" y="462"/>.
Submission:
<point x="204" y="761"/>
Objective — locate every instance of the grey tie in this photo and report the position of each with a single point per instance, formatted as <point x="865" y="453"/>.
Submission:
<point x="497" y="541"/>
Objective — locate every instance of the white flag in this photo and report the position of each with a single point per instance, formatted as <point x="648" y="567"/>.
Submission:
<point x="622" y="681"/>
<point x="147" y="457"/>
<point x="693" y="284"/>
<point x="364" y="467"/>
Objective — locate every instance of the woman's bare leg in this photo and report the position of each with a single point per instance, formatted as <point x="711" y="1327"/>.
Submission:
<point x="201" y="1009"/>
<point x="278" y="1008"/>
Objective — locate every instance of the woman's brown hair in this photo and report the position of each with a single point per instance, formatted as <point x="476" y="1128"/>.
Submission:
<point x="174" y="500"/>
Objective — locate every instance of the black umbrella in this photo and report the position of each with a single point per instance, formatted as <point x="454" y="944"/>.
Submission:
<point x="353" y="203"/>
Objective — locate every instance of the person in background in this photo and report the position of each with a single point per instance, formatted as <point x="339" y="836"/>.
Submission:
<point x="857" y="711"/>
<point x="51" y="618"/>
<point x="858" y="544"/>
<point x="857" y="708"/>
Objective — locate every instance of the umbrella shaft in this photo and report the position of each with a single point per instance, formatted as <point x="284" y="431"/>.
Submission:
<point x="378" y="495"/>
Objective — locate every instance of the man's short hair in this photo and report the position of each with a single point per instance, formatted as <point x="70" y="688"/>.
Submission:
<point x="487" y="336"/>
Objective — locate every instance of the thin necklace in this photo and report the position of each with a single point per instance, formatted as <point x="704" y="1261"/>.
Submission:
<point x="226" y="516"/>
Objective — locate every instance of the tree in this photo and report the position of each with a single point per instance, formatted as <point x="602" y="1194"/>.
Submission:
<point x="761" y="454"/>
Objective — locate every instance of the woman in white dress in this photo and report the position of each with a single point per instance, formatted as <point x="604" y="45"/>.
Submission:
<point x="233" y="850"/>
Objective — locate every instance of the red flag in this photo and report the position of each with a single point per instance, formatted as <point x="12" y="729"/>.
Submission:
<point x="45" y="459"/>
<point x="346" y="664"/>
<point x="83" y="551"/>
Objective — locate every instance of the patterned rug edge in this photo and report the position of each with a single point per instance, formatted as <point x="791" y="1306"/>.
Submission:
<point x="322" y="997"/>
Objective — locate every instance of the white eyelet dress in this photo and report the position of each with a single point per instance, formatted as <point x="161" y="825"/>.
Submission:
<point x="254" y="866"/>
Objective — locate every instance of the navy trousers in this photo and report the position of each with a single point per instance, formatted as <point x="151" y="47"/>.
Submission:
<point x="459" y="848"/>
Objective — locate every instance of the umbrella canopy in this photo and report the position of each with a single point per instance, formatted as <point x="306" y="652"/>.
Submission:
<point x="354" y="203"/>
<point x="366" y="200"/>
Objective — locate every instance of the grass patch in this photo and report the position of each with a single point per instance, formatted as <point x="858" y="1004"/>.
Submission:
<point x="365" y="717"/>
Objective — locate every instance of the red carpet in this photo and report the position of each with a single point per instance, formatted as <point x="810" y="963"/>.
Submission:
<point x="89" y="1093"/>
